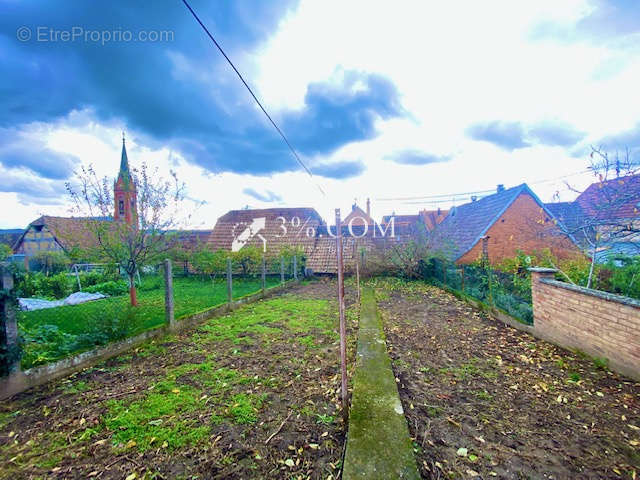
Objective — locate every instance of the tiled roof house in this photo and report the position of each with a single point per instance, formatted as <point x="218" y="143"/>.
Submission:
<point x="612" y="204"/>
<point x="279" y="227"/>
<point x="513" y="219"/>
<point x="51" y="234"/>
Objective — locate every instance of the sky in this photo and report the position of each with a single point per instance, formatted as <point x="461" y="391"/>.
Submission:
<point x="393" y="101"/>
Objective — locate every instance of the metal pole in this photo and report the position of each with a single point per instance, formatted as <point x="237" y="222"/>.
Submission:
<point x="462" y="278"/>
<point x="343" y="329"/>
<point x="358" y="279"/>
<point x="75" y="267"/>
<point x="229" y="282"/>
<point x="168" y="294"/>
<point x="295" y="267"/>
<point x="264" y="273"/>
<point x="282" y="269"/>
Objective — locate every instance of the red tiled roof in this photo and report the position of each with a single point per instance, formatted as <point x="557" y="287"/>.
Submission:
<point x="615" y="199"/>
<point x="284" y="227"/>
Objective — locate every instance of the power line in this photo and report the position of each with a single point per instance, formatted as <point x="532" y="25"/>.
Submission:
<point x="435" y="202"/>
<point x="295" y="154"/>
<point x="444" y="195"/>
<point x="453" y="196"/>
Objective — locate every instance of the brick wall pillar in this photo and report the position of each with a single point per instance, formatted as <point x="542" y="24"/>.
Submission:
<point x="537" y="274"/>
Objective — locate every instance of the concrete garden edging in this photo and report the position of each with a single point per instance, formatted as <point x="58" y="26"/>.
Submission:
<point x="378" y="441"/>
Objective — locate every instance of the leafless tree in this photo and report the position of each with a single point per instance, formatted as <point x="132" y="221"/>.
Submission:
<point x="608" y="211"/>
<point x="130" y="245"/>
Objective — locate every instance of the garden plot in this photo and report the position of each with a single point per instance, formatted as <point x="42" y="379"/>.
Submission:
<point x="54" y="333"/>
<point x="254" y="394"/>
<point x="484" y="400"/>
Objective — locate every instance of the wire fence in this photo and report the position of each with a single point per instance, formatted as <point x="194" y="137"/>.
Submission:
<point x="69" y="313"/>
<point x="508" y="292"/>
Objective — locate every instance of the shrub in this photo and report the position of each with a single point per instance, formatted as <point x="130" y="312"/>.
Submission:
<point x="37" y="284"/>
<point x="625" y="278"/>
<point x="5" y="251"/>
<point x="49" y="262"/>
<point x="109" y="288"/>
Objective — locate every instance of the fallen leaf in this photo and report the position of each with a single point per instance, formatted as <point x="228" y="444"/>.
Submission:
<point x="289" y="463"/>
<point x="472" y="473"/>
<point x="462" y="452"/>
<point x="132" y="476"/>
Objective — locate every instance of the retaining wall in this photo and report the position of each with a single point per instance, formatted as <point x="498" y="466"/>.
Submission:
<point x="600" y="324"/>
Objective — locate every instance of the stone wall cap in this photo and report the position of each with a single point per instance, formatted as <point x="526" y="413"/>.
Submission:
<point x="542" y="270"/>
<point x="611" y="297"/>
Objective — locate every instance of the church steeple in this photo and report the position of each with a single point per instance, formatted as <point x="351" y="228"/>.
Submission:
<point x="124" y="191"/>
<point x="124" y="173"/>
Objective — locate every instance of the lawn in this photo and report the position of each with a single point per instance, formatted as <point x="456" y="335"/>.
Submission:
<point x="52" y="334"/>
<point x="484" y="400"/>
<point x="252" y="394"/>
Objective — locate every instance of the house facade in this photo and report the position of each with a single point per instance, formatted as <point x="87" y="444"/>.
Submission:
<point x="513" y="219"/>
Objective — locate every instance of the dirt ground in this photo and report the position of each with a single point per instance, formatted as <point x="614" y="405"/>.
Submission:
<point x="484" y="400"/>
<point x="254" y="394"/>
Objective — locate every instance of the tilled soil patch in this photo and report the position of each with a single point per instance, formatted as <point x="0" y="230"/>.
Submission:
<point x="484" y="400"/>
<point x="254" y="394"/>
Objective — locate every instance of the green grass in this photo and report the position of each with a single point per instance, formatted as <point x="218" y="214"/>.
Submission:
<point x="159" y="419"/>
<point x="55" y="333"/>
<point x="295" y="314"/>
<point x="244" y="408"/>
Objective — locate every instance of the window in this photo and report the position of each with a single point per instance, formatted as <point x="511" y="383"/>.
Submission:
<point x="121" y="207"/>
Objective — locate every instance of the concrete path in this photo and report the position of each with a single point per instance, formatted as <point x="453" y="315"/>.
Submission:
<point x="378" y="443"/>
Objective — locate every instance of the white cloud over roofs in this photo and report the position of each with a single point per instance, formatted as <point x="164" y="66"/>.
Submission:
<point x="496" y="92"/>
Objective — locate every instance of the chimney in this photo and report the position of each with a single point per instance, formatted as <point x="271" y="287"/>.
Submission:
<point x="368" y="207"/>
<point x="500" y="188"/>
<point x="475" y="197"/>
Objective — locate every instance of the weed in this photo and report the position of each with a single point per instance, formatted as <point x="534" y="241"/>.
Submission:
<point x="244" y="407"/>
<point x="433" y="411"/>
<point x="308" y="341"/>
<point x="325" y="419"/>
<point x="601" y="363"/>
<point x="77" y="387"/>
<point x="574" y="377"/>
<point x="483" y="395"/>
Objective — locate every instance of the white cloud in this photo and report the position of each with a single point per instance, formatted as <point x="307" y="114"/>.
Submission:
<point x="454" y="64"/>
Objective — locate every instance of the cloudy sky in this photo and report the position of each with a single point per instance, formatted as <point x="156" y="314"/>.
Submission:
<point x="388" y="100"/>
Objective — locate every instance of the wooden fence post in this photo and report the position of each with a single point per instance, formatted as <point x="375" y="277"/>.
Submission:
<point x="8" y="315"/>
<point x="229" y="282"/>
<point x="169" y="311"/>
<point x="295" y="267"/>
<point x="343" y="329"/>
<point x="264" y="274"/>
<point x="282" y="269"/>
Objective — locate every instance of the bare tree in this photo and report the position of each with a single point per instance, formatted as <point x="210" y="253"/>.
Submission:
<point x="606" y="213"/>
<point x="129" y="244"/>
